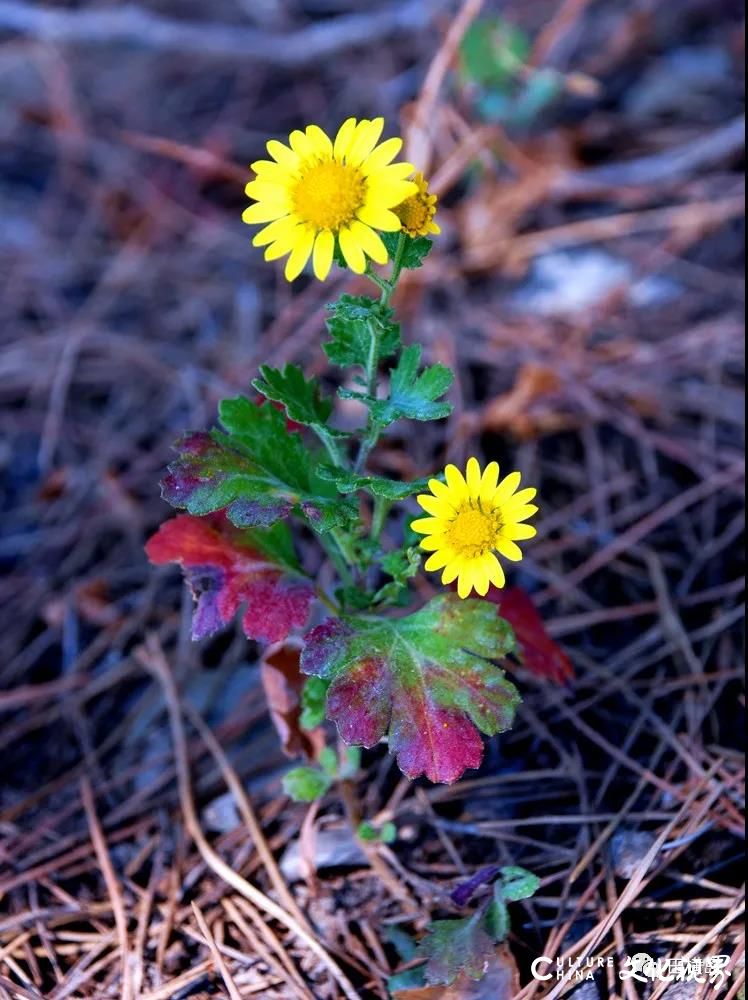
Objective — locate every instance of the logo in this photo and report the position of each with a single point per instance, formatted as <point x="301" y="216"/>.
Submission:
<point x="641" y="967"/>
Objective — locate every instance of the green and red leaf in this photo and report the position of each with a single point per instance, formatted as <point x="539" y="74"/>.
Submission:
<point x="226" y="571"/>
<point x="255" y="469"/>
<point x="538" y="652"/>
<point x="425" y="682"/>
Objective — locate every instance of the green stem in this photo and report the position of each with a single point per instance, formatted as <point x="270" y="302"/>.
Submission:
<point x="330" y="446"/>
<point x="372" y="367"/>
<point x="336" y="556"/>
<point x="379" y="514"/>
<point x="397" y="266"/>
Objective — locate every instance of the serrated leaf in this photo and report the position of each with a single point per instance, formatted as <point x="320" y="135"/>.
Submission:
<point x="413" y="395"/>
<point x="454" y="946"/>
<point x="225" y="571"/>
<point x="258" y="471"/>
<point x="389" y="489"/>
<point x="350" y="327"/>
<point x="537" y="650"/>
<point x="424" y="681"/>
<point x="402" y="564"/>
<point x="517" y="883"/>
<point x="305" y="784"/>
<point x="415" y="251"/>
<point x="301" y="397"/>
<point x="208" y="476"/>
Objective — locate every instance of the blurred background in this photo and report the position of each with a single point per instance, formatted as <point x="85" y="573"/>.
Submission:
<point x="588" y="289"/>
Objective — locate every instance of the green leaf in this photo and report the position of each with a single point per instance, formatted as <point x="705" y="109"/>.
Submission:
<point x="492" y="51"/>
<point x="402" y="564"/>
<point x="367" y="831"/>
<point x="424" y="681"/>
<point x="403" y="942"/>
<point x="328" y="761"/>
<point x="388" y="833"/>
<point x="455" y="946"/>
<point x="497" y="916"/>
<point x="313" y="697"/>
<point x="350" y="327"/>
<point x="413" y="395"/>
<point x="405" y="982"/>
<point x="389" y="489"/>
<point x="256" y="469"/>
<point x="518" y="883"/>
<point x="351" y="762"/>
<point x="300" y="397"/>
<point x="415" y="252"/>
<point x="305" y="784"/>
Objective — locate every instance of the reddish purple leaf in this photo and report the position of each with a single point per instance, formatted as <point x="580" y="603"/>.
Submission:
<point x="225" y="572"/>
<point x="424" y="681"/>
<point x="539" y="653"/>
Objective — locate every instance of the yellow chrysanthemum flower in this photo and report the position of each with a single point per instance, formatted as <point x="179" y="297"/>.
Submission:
<point x="417" y="213"/>
<point x="320" y="190"/>
<point x="472" y="518"/>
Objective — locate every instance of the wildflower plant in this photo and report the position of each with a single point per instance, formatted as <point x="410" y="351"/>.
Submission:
<point x="381" y="664"/>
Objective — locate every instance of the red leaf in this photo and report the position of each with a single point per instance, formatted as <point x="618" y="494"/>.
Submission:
<point x="224" y="572"/>
<point x="283" y="682"/>
<point x="540" y="654"/>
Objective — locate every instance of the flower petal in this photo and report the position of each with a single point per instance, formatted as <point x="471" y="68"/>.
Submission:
<point x="276" y="230"/>
<point x="495" y="570"/>
<point x="320" y="140"/>
<point x="366" y="139"/>
<point x="324" y="247"/>
<point x="473" y="477"/>
<point x="455" y="481"/>
<point x="506" y="487"/>
<point x="464" y="584"/>
<point x="264" y="211"/>
<point x="301" y="145"/>
<point x="489" y="479"/>
<point x="343" y="138"/>
<point x="508" y="549"/>
<point x="381" y="156"/>
<point x="282" y="154"/>
<point x="425" y="525"/>
<point x="369" y="241"/>
<point x="300" y="254"/>
<point x="351" y="249"/>
<point x="438" y="560"/>
<point x="380" y="218"/>
<point x="518" y="532"/>
<point x="433" y="505"/>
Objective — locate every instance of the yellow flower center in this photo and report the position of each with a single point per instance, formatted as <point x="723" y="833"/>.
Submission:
<point x="328" y="194"/>
<point x="415" y="214"/>
<point x="473" y="531"/>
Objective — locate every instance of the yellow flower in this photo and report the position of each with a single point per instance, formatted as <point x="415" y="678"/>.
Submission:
<point x="472" y="517"/>
<point x="417" y="212"/>
<point x="320" y="190"/>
